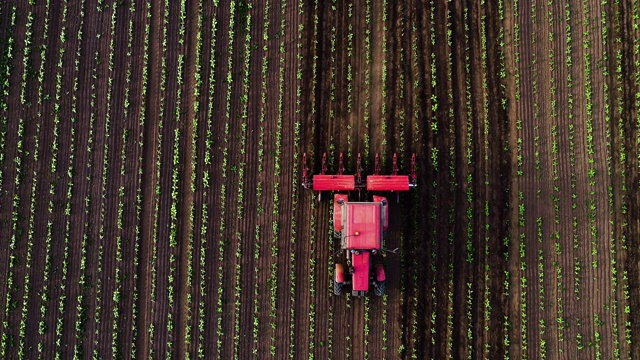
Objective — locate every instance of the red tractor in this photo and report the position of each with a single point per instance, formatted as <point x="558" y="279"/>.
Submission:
<point x="359" y="225"/>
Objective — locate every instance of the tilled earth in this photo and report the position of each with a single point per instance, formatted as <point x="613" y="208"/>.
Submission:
<point x="150" y="197"/>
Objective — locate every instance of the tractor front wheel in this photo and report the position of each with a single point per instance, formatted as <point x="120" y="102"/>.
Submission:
<point x="380" y="287"/>
<point x="337" y="288"/>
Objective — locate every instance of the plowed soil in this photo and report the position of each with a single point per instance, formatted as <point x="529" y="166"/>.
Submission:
<point x="150" y="178"/>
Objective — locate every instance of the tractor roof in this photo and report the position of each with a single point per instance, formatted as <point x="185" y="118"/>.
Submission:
<point x="363" y="225"/>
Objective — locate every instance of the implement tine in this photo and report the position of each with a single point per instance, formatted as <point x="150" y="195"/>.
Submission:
<point x="414" y="178"/>
<point x="305" y="171"/>
<point x="359" y="170"/>
<point x="395" y="164"/>
<point x="324" y="163"/>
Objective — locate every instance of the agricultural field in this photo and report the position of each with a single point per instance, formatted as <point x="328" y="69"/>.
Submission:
<point x="150" y="177"/>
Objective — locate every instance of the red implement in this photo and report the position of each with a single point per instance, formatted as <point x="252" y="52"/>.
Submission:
<point x="387" y="183"/>
<point x="334" y="182"/>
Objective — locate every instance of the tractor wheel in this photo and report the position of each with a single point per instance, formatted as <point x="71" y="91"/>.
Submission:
<point x="338" y="280"/>
<point x="379" y="288"/>
<point x="337" y="288"/>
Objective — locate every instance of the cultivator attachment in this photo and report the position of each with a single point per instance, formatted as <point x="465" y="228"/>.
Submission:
<point x="342" y="182"/>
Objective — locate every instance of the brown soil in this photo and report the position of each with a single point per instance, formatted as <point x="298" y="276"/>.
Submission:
<point x="520" y="240"/>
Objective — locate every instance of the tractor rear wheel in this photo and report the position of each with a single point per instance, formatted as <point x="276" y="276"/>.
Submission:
<point x="337" y="288"/>
<point x="380" y="287"/>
